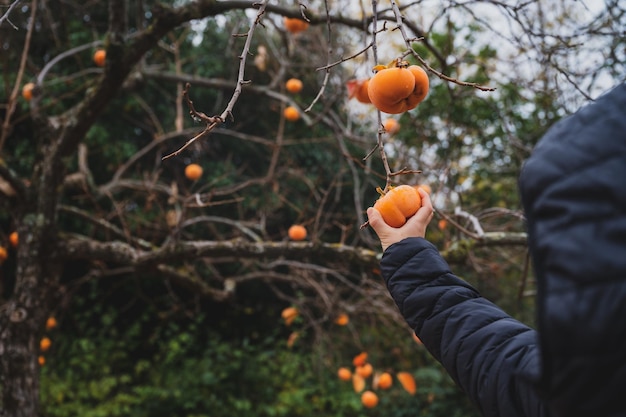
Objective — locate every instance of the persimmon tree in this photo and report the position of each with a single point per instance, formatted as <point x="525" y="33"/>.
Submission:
<point x="93" y="158"/>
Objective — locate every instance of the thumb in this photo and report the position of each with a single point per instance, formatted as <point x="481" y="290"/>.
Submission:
<point x="376" y="221"/>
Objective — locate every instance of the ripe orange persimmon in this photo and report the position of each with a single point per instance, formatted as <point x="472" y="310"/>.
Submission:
<point x="360" y="359"/>
<point x="291" y="113"/>
<point x="41" y="360"/>
<point x="3" y="255"/>
<point x="344" y="374"/>
<point x="297" y="232"/>
<point x="407" y="381"/>
<point x="44" y="344"/>
<point x="99" y="57"/>
<point x="369" y="399"/>
<point x="342" y="319"/>
<point x="442" y="224"/>
<point x="289" y="314"/>
<point x="398" y="88"/>
<point x="14" y="239"/>
<point x="358" y="89"/>
<point x="398" y="204"/>
<point x="385" y="380"/>
<point x="27" y="91"/>
<point x="364" y="370"/>
<point x="294" y="85"/>
<point x="193" y="172"/>
<point x="292" y="339"/>
<point x="295" y="25"/>
<point x="51" y="323"/>
<point x="358" y="382"/>
<point x="391" y="126"/>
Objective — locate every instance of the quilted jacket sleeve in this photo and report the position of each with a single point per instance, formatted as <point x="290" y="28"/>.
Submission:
<point x="491" y="356"/>
<point x="573" y="189"/>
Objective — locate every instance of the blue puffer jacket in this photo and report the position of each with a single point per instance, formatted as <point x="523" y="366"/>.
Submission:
<point x="573" y="189"/>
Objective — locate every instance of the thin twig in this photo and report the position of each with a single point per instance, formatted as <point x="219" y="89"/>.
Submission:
<point x="8" y="12"/>
<point x="213" y="122"/>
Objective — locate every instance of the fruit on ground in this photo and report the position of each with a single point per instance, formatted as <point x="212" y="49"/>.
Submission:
<point x="99" y="57"/>
<point x="294" y="85"/>
<point x="342" y="319"/>
<point x="27" y="91"/>
<point x="391" y="126"/>
<point x="398" y="88"/>
<point x="14" y="239"/>
<point x="398" y="204"/>
<point x="292" y="339"/>
<point x="297" y="232"/>
<point x="193" y="172"/>
<point x="344" y="374"/>
<point x="289" y="314"/>
<point x="291" y="113"/>
<point x="360" y="359"/>
<point x="369" y="399"/>
<point x="44" y="344"/>
<point x="364" y="370"/>
<point x="295" y="25"/>
<point x="385" y="380"/>
<point x="358" y="382"/>
<point x="407" y="381"/>
<point x="358" y="89"/>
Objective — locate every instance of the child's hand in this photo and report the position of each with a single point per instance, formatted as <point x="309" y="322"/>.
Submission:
<point x="414" y="227"/>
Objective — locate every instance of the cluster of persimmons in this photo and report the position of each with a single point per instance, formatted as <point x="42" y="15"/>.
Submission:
<point x="362" y="371"/>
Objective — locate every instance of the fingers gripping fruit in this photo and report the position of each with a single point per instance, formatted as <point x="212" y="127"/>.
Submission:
<point x="398" y="204"/>
<point x="398" y="88"/>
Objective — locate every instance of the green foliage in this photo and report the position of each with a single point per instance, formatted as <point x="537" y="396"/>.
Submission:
<point x="190" y="370"/>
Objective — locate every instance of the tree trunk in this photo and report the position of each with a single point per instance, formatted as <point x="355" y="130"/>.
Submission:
<point x="22" y="322"/>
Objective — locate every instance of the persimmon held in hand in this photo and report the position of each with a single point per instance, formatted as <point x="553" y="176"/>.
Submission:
<point x="398" y="88"/>
<point x="294" y="85"/>
<point x="358" y="89"/>
<point x="369" y="399"/>
<point x="295" y="25"/>
<point x="27" y="91"/>
<point x="398" y="204"/>
<point x="291" y="113"/>
<point x="297" y="232"/>
<point x="193" y="172"/>
<point x="99" y="57"/>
